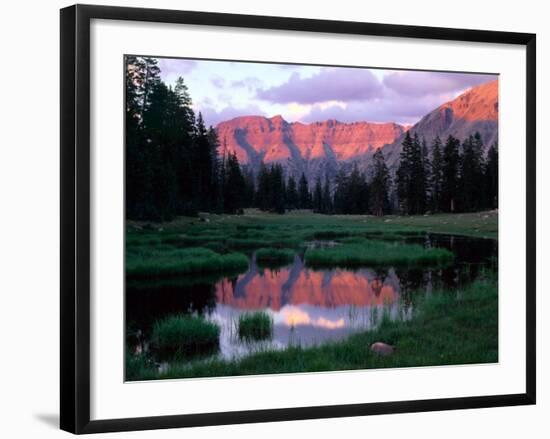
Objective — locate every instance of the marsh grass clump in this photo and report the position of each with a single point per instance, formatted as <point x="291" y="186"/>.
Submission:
<point x="267" y="240"/>
<point x="139" y="367"/>
<point x="256" y="325"/>
<point x="178" y="261"/>
<point x="375" y="252"/>
<point x="447" y="328"/>
<point x="181" y="336"/>
<point x="274" y="256"/>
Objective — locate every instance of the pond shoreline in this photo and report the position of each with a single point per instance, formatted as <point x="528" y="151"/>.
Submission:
<point x="368" y="278"/>
<point x="423" y="341"/>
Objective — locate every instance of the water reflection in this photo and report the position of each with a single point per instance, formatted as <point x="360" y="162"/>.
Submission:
<point x="307" y="306"/>
<point x="295" y="284"/>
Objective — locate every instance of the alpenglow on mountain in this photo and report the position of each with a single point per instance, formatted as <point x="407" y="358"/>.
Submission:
<point x="321" y="148"/>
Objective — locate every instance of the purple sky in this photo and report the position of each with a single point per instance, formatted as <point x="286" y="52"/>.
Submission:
<point x="222" y="90"/>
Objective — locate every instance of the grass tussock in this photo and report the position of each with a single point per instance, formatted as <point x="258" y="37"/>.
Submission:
<point x="376" y="252"/>
<point x="175" y="261"/>
<point x="255" y="326"/>
<point x="448" y="327"/>
<point x="182" y="336"/>
<point x="274" y="256"/>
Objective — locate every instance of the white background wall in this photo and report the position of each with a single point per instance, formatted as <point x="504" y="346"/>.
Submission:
<point x="29" y="206"/>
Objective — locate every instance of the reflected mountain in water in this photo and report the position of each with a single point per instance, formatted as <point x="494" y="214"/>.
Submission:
<point x="308" y="306"/>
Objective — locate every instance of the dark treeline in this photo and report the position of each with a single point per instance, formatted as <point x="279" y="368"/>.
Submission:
<point x="455" y="177"/>
<point x="175" y="165"/>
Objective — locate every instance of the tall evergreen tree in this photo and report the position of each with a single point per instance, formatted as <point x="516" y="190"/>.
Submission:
<point x="471" y="173"/>
<point x="491" y="177"/>
<point x="379" y="185"/>
<point x="318" y="196"/>
<point x="141" y="76"/>
<point x="340" y="191"/>
<point x="158" y="145"/>
<point x="250" y="187"/>
<point x="403" y="173"/>
<point x="277" y="190"/>
<point x="450" y="183"/>
<point x="292" y="199"/>
<point x="427" y="169"/>
<point x="263" y="193"/>
<point x="351" y="195"/>
<point x="235" y="185"/>
<point x="303" y="193"/>
<point x="436" y="182"/>
<point x="203" y="165"/>
<point x="411" y="178"/>
<point x="326" y="199"/>
<point x="418" y="179"/>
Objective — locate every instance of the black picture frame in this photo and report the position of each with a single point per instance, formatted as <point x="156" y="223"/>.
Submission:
<point x="75" y="217"/>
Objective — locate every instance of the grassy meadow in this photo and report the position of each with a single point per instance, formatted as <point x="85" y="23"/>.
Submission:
<point x="457" y="326"/>
<point x="448" y="328"/>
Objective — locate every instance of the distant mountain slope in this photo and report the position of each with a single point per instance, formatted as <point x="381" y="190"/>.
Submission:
<point x="321" y="148"/>
<point x="474" y="110"/>
<point x="303" y="147"/>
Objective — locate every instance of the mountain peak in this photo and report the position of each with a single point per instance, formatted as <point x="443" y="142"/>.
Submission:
<point x="477" y="103"/>
<point x="474" y="110"/>
<point x="277" y="119"/>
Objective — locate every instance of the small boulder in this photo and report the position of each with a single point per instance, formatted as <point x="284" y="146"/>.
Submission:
<point x="382" y="348"/>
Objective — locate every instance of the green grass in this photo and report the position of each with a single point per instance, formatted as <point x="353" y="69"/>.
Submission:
<point x="225" y="234"/>
<point x="304" y="222"/>
<point x="274" y="256"/>
<point x="374" y="252"/>
<point x="256" y="325"/>
<point x="181" y="336"/>
<point x="448" y="327"/>
<point x="152" y="262"/>
<point x="265" y="241"/>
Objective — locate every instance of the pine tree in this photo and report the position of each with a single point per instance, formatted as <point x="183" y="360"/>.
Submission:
<point x="379" y="185"/>
<point x="160" y="188"/>
<point x="318" y="196"/>
<point x="215" y="184"/>
<point x="450" y="183"/>
<point x="234" y="186"/>
<point x="471" y="173"/>
<point x="277" y="189"/>
<point x="303" y="193"/>
<point x="411" y="178"/>
<point x="292" y="199"/>
<point x="250" y="187"/>
<point x="436" y="183"/>
<point x="491" y="177"/>
<point x="263" y="193"/>
<point x="202" y="165"/>
<point x="326" y="200"/>
<point x="340" y="191"/>
<point x="427" y="168"/>
<point x="357" y="196"/>
<point x="417" y="189"/>
<point x="404" y="172"/>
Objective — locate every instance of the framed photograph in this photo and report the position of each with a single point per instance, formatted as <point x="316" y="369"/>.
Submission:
<point x="275" y="218"/>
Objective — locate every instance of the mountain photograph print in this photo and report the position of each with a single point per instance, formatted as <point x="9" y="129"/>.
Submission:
<point x="285" y="218"/>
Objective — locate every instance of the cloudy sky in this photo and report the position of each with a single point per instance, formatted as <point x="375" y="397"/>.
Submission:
<point x="222" y="90"/>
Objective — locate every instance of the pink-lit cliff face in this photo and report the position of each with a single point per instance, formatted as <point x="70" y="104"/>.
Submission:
<point x="311" y="147"/>
<point x="477" y="104"/>
<point x="475" y="110"/>
<point x="275" y="140"/>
